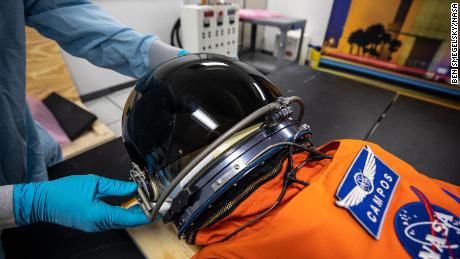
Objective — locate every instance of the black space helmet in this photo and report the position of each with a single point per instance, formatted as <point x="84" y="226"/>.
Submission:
<point x="199" y="130"/>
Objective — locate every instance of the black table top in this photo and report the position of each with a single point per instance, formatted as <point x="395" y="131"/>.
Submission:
<point x="44" y="240"/>
<point x="282" y="22"/>
<point x="108" y="160"/>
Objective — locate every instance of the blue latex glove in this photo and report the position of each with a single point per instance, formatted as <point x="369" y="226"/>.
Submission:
<point x="74" y="201"/>
<point x="182" y="52"/>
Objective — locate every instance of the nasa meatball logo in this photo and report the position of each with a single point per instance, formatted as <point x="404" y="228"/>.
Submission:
<point x="428" y="231"/>
<point x="366" y="190"/>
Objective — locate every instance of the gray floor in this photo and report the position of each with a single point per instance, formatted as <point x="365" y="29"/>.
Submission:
<point x="424" y="135"/>
<point x="109" y="109"/>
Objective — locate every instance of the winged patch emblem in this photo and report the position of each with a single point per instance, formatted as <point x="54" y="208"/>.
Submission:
<point x="364" y="181"/>
<point x="366" y="190"/>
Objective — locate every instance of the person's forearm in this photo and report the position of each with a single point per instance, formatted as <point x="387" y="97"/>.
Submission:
<point x="6" y="207"/>
<point x="85" y="30"/>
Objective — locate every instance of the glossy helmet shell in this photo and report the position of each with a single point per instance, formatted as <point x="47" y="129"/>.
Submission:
<point x="183" y="105"/>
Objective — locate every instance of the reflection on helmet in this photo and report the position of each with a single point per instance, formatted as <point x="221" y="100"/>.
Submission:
<point x="203" y="131"/>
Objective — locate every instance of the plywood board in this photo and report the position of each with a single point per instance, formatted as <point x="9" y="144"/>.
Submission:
<point x="158" y="240"/>
<point x="46" y="71"/>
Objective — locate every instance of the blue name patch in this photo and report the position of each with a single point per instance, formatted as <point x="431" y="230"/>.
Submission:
<point x="367" y="189"/>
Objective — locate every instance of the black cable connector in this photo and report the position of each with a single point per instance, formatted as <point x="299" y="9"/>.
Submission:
<point x="175" y="35"/>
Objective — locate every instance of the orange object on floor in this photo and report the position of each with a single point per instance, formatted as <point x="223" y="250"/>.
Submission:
<point x="419" y="216"/>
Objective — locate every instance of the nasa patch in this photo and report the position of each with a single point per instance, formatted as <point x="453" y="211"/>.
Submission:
<point x="367" y="189"/>
<point x="428" y="231"/>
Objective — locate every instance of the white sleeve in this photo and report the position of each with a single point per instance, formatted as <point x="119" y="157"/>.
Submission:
<point x="7" y="219"/>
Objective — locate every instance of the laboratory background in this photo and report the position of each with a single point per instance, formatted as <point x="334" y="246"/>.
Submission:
<point x="375" y="84"/>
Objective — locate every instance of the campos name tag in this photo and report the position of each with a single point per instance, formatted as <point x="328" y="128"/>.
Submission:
<point x="367" y="189"/>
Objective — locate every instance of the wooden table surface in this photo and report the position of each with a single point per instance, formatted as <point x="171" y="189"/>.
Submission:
<point x="158" y="240"/>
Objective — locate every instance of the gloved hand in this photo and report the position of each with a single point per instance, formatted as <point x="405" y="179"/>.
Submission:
<point x="161" y="52"/>
<point x="74" y="201"/>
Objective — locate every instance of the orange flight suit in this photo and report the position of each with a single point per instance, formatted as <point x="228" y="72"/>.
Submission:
<point x="421" y="218"/>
